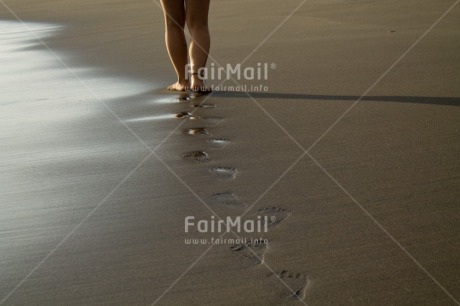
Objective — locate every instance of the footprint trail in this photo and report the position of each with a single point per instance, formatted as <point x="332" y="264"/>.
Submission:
<point x="251" y="254"/>
<point x="227" y="173"/>
<point x="219" y="142"/>
<point x="275" y="215"/>
<point x="226" y="198"/>
<point x="296" y="282"/>
<point x="197" y="131"/>
<point x="198" y="156"/>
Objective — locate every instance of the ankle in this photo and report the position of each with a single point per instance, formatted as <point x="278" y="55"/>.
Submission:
<point x="197" y="78"/>
<point x="182" y="81"/>
<point x="200" y="75"/>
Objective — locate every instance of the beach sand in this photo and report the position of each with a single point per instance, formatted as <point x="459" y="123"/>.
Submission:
<point x="353" y="149"/>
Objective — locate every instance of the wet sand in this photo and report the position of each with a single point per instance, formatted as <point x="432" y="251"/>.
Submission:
<point x="95" y="187"/>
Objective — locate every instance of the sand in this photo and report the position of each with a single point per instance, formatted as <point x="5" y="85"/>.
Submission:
<point x="95" y="188"/>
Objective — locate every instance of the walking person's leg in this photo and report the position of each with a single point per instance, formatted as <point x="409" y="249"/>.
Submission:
<point x="174" y="11"/>
<point x="200" y="42"/>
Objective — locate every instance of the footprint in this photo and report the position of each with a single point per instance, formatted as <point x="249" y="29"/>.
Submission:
<point x="295" y="284"/>
<point x="275" y="215"/>
<point x="225" y="172"/>
<point x="183" y="115"/>
<point x="183" y="99"/>
<point x="197" y="131"/>
<point x="204" y="105"/>
<point x="251" y="253"/>
<point x="226" y="198"/>
<point x="186" y="115"/>
<point x="219" y="142"/>
<point x="198" y="156"/>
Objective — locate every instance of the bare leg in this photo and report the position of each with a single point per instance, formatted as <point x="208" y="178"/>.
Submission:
<point x="200" y="42"/>
<point x="174" y="11"/>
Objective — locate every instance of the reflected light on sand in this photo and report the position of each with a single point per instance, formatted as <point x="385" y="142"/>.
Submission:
<point x="32" y="72"/>
<point x="181" y="98"/>
<point x="42" y="101"/>
<point x="151" y="118"/>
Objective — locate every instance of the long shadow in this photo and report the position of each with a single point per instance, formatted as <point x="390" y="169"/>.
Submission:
<point x="453" y="101"/>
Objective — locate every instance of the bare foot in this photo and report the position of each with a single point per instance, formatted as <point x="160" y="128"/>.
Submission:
<point x="178" y="87"/>
<point x="198" y="85"/>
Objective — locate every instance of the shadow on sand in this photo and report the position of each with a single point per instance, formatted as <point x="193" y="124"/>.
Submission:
<point x="453" y="101"/>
